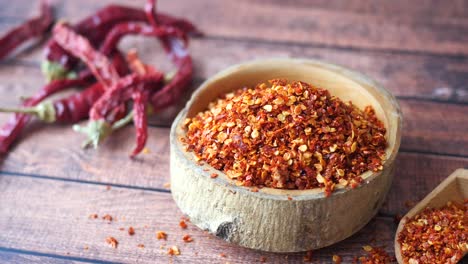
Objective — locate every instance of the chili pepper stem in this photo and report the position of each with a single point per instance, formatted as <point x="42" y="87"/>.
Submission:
<point x="44" y="111"/>
<point x="96" y="131"/>
<point x="28" y="110"/>
<point x="55" y="71"/>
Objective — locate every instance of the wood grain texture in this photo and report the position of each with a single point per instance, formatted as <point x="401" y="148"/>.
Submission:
<point x="60" y="157"/>
<point x="14" y="256"/>
<point x="57" y="222"/>
<point x="308" y="23"/>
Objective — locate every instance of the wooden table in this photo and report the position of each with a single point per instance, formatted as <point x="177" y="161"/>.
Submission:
<point x="49" y="186"/>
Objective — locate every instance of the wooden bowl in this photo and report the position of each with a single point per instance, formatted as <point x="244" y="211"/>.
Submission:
<point x="267" y="220"/>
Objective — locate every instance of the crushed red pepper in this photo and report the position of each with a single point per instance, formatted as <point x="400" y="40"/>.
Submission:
<point x="187" y="238"/>
<point x="174" y="250"/>
<point x="375" y="255"/>
<point x="112" y="242"/>
<point x="435" y="235"/>
<point x="161" y="235"/>
<point x="107" y="217"/>
<point x="182" y="224"/>
<point x="288" y="136"/>
<point x="131" y="231"/>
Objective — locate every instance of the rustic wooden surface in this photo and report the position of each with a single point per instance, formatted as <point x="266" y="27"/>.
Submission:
<point x="49" y="186"/>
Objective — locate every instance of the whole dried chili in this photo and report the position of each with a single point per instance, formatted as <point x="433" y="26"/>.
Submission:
<point x="289" y="136"/>
<point x="96" y="27"/>
<point x="435" y="235"/>
<point x="35" y="27"/>
<point x="67" y="110"/>
<point x="81" y="48"/>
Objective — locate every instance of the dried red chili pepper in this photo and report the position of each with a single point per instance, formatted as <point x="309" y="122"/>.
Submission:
<point x="32" y="28"/>
<point x="96" y="27"/>
<point x="68" y="110"/>
<point x="140" y="100"/>
<point x="81" y="48"/>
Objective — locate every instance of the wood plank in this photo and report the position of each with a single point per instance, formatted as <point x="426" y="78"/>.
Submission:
<point x="57" y="222"/>
<point x="310" y="24"/>
<point x="415" y="176"/>
<point x="110" y="164"/>
<point x="18" y="256"/>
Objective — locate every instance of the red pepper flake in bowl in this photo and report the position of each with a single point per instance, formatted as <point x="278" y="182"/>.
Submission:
<point x="435" y="235"/>
<point x="288" y="136"/>
<point x="131" y="231"/>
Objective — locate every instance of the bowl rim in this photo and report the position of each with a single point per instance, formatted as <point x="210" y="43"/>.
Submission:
<point x="283" y="194"/>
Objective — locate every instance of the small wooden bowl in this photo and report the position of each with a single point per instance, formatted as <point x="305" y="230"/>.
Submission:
<point x="454" y="188"/>
<point x="267" y="220"/>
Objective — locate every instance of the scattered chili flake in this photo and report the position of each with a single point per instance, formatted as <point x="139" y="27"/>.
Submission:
<point x="161" y="235"/>
<point x="108" y="187"/>
<point x="435" y="235"/>
<point x="131" y="231"/>
<point x="263" y="259"/>
<point x="174" y="250"/>
<point x="107" y="217"/>
<point x="182" y="224"/>
<point x="290" y="198"/>
<point x="288" y="136"/>
<point x="112" y="242"/>
<point x="122" y="228"/>
<point x="308" y="256"/>
<point x="214" y="175"/>
<point x="141" y="245"/>
<point x="146" y="151"/>
<point x="86" y="247"/>
<point x="223" y="255"/>
<point x="167" y="185"/>
<point x="93" y="216"/>
<point x="336" y="259"/>
<point x="187" y="239"/>
<point x="375" y="255"/>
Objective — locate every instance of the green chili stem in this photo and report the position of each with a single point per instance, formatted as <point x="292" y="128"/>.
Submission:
<point x="19" y="110"/>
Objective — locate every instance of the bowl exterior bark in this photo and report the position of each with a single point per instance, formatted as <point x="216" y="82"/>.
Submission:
<point x="269" y="220"/>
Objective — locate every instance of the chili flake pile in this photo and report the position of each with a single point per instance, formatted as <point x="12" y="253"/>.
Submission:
<point x="435" y="235"/>
<point x="288" y="136"/>
<point x="375" y="255"/>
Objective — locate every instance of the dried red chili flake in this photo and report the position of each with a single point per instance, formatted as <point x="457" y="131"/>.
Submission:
<point x="223" y="255"/>
<point x="174" y="250"/>
<point x="112" y="242"/>
<point x="182" y="224"/>
<point x="131" y="231"/>
<point x="436" y="235"/>
<point x="336" y="259"/>
<point x="161" y="235"/>
<point x="141" y="245"/>
<point x="214" y="175"/>
<point x="263" y="259"/>
<point x="375" y="255"/>
<point x="107" y="217"/>
<point x="93" y="216"/>
<point x="187" y="239"/>
<point x="288" y="136"/>
<point x="308" y="256"/>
